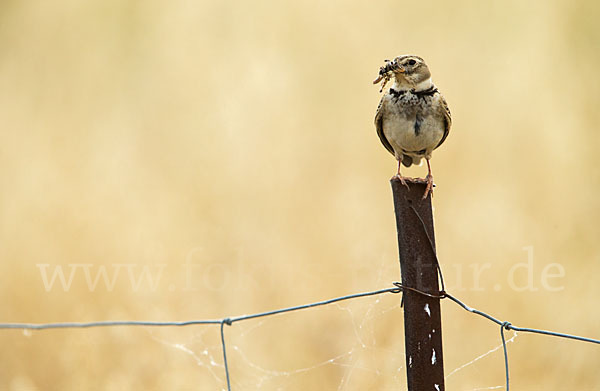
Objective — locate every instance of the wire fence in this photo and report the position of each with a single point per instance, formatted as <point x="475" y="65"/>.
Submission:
<point x="398" y="288"/>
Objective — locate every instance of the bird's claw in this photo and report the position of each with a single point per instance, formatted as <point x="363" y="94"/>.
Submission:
<point x="429" y="187"/>
<point x="402" y="180"/>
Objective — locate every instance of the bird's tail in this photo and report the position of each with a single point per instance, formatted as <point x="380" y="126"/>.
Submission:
<point x="407" y="160"/>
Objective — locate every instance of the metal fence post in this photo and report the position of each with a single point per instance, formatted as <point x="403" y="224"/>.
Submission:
<point x="422" y="317"/>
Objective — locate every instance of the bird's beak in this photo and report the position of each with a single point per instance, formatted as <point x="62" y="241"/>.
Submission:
<point x="378" y="79"/>
<point x="400" y="70"/>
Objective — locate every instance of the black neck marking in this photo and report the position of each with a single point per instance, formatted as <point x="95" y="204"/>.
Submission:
<point x="397" y="94"/>
<point x="427" y="92"/>
<point x="421" y="94"/>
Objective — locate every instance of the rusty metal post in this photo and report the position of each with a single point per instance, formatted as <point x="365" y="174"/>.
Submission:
<point x="422" y="316"/>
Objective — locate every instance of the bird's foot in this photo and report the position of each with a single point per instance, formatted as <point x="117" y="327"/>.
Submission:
<point x="429" y="187"/>
<point x="401" y="179"/>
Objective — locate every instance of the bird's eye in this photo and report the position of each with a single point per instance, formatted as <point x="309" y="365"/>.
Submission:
<point x="411" y="62"/>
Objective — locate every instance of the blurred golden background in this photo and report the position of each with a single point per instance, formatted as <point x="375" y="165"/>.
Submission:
<point x="227" y="149"/>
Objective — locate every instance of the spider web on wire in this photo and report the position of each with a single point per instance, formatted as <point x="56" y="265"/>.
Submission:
<point x="251" y="373"/>
<point x="345" y="362"/>
<point x="349" y="363"/>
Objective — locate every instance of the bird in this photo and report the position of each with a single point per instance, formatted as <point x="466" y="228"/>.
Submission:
<point x="413" y="117"/>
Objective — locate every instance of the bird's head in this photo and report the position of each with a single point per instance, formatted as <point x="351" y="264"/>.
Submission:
<point x="408" y="70"/>
<point x="411" y="69"/>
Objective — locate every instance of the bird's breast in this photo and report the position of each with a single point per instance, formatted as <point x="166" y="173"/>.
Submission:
<point x="411" y="126"/>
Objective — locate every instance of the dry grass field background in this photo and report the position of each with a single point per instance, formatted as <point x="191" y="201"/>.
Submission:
<point x="228" y="149"/>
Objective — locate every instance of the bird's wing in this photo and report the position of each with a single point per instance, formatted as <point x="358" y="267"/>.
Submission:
<point x="443" y="107"/>
<point x="379" y="127"/>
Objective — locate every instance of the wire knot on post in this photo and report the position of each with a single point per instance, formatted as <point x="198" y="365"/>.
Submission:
<point x="401" y="288"/>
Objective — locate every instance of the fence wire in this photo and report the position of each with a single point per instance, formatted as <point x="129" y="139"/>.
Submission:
<point x="398" y="288"/>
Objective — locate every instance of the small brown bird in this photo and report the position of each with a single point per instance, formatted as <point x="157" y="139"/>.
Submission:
<point x="413" y="117"/>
